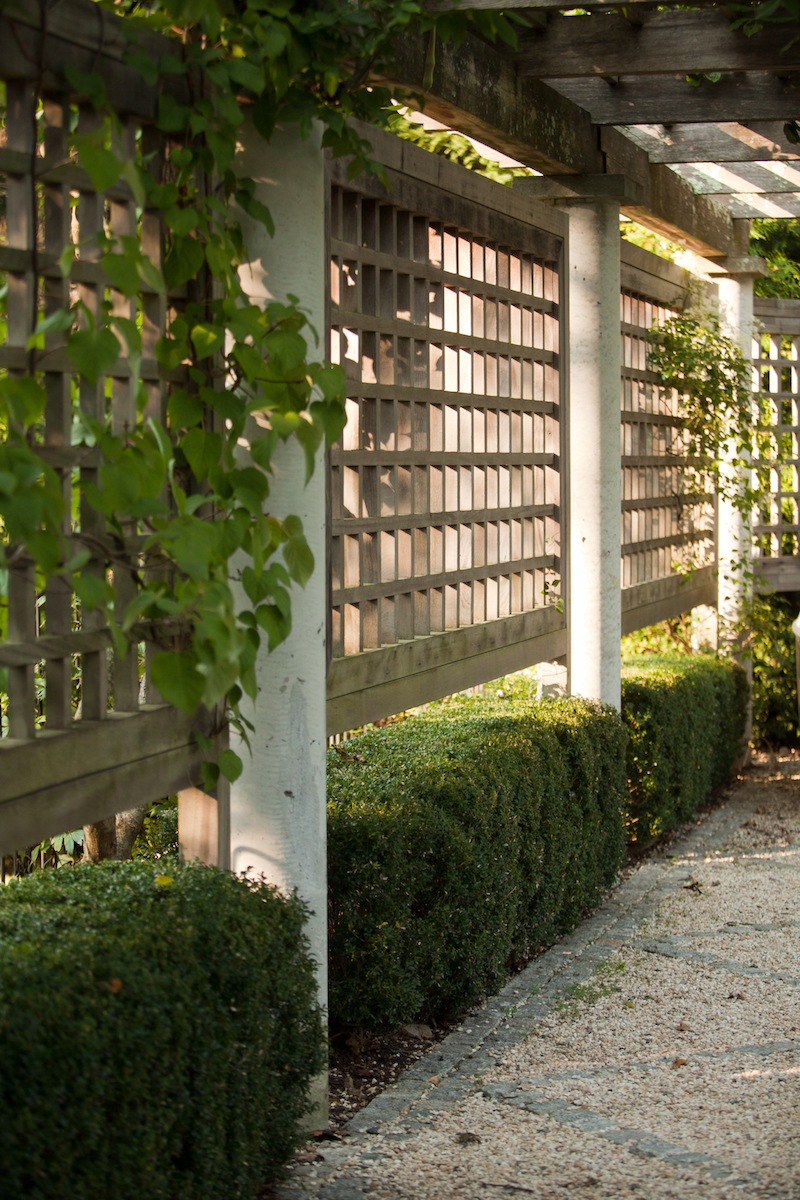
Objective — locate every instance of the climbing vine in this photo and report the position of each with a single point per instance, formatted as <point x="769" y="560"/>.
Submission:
<point x="726" y="436"/>
<point x="181" y="497"/>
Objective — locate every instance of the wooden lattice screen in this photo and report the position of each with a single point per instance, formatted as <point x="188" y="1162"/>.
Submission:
<point x="445" y="509"/>
<point x="664" y="528"/>
<point x="61" y="767"/>
<point x="775" y="359"/>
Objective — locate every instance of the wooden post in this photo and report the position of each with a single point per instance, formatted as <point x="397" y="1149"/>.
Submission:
<point x="734" y="534"/>
<point x="277" y="806"/>
<point x="594" y="604"/>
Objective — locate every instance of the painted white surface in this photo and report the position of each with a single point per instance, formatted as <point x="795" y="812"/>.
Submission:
<point x="736" y="315"/>
<point x="595" y="621"/>
<point x="277" y="806"/>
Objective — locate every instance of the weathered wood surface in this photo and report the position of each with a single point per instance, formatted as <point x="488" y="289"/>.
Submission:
<point x="63" y="779"/>
<point x="661" y="99"/>
<point x="379" y="683"/>
<point x="475" y="88"/>
<point x="686" y="41"/>
<point x="661" y="599"/>
<point x="86" y="36"/>
<point x="725" y="142"/>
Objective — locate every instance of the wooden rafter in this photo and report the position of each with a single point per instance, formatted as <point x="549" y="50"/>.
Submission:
<point x="643" y="99"/>
<point x="686" y="41"/>
<point x="727" y="142"/>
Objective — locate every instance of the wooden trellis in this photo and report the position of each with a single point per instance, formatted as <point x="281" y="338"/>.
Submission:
<point x="665" y="527"/>
<point x="776" y="346"/>
<point x="445" y="510"/>
<point x="60" y="768"/>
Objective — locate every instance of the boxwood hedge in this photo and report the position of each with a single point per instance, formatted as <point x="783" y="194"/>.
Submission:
<point x="463" y="839"/>
<point x="686" y="720"/>
<point x="159" y="1032"/>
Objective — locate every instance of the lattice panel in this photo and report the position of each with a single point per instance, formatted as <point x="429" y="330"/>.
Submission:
<point x="445" y="488"/>
<point x="55" y="652"/>
<point x="775" y="361"/>
<point x="663" y="525"/>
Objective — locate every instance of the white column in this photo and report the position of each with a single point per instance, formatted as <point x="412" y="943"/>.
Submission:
<point x="277" y="806"/>
<point x="593" y="306"/>
<point x="736" y="315"/>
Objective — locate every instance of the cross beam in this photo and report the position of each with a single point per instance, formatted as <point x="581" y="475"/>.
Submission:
<point x="644" y="99"/>
<point x="688" y="42"/>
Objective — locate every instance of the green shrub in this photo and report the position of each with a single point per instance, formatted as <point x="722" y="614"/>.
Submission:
<point x="686" y="720"/>
<point x="159" y="1032"/>
<point x="461" y="839"/>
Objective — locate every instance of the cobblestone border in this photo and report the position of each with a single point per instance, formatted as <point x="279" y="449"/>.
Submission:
<point x="453" y="1069"/>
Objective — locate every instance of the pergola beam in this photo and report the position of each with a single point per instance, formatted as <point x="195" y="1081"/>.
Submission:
<point x="727" y="142"/>
<point x="689" y="42"/>
<point x="476" y="90"/>
<point x="644" y="100"/>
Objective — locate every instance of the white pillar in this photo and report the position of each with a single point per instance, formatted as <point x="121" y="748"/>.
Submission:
<point x="593" y="306"/>
<point x="734" y="534"/>
<point x="277" y="806"/>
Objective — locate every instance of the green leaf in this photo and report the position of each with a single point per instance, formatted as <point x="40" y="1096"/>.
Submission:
<point x="247" y="74"/>
<point x="24" y="398"/>
<point x="181" y="220"/>
<point x="184" y="410"/>
<point x="176" y="677"/>
<point x="202" y="451"/>
<point x="93" y="352"/>
<point x="183" y="261"/>
<point x="274" y="623"/>
<point x="172" y="116"/>
<point x="102" y="165"/>
<point x="87" y="83"/>
<point x="230" y="765"/>
<point x="147" y="68"/>
<point x="208" y="339"/>
<point x="297" y="552"/>
<point x="210" y="773"/>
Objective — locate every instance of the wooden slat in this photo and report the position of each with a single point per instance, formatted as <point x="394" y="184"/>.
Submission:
<point x="94" y="667"/>
<point x="647" y="603"/>
<point x="58" y="414"/>
<point x="62" y="780"/>
<point x="52" y="647"/>
<point x="659" y="99"/>
<point x="366" y="687"/>
<point x="664" y="43"/>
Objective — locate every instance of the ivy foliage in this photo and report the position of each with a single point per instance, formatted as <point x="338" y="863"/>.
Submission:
<point x="181" y="497"/>
<point x="726" y="427"/>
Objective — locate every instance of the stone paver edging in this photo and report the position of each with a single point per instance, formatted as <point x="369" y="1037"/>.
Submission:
<point x="453" y="1071"/>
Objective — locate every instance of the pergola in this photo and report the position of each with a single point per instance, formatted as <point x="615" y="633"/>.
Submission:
<point x="679" y="113"/>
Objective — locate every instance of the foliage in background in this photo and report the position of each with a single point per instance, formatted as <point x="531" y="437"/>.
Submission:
<point x="686" y="721"/>
<point x="188" y="996"/>
<point x="666" y="638"/>
<point x="774" y="670"/>
<point x="777" y="241"/>
<point x="159" y="838"/>
<point x="639" y="235"/>
<point x="463" y="840"/>
<point x="453" y="146"/>
<point x="188" y="488"/>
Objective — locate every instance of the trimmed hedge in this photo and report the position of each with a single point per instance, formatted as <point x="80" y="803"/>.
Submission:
<point x="686" y="719"/>
<point x="159" y="1032"/>
<point x="462" y="839"/>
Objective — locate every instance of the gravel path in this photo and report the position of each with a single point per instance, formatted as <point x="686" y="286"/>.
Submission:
<point x="653" y="1053"/>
